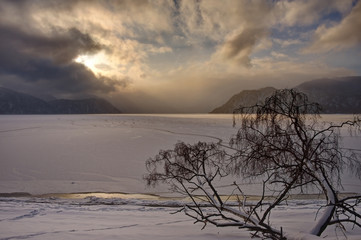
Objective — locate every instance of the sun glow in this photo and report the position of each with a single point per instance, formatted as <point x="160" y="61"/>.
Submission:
<point x="97" y="63"/>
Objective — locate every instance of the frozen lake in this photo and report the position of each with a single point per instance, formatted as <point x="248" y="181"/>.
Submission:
<point x="87" y="153"/>
<point x="103" y="153"/>
<point x="106" y="154"/>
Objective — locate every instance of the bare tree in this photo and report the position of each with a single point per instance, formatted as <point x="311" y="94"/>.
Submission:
<point x="280" y="143"/>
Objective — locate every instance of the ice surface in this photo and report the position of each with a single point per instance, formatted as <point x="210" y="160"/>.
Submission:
<point x="42" y="154"/>
<point x="104" y="153"/>
<point x="72" y="153"/>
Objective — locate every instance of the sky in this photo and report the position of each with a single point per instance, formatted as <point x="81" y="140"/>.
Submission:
<point x="181" y="56"/>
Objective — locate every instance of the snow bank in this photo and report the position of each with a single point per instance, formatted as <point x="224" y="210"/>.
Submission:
<point x="97" y="218"/>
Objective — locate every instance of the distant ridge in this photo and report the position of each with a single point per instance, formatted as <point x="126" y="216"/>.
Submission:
<point x="245" y="98"/>
<point x="335" y="95"/>
<point x="84" y="106"/>
<point x="12" y="102"/>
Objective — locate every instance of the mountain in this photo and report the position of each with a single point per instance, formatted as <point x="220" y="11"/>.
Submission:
<point x="12" y="102"/>
<point x="245" y="98"/>
<point x="335" y="95"/>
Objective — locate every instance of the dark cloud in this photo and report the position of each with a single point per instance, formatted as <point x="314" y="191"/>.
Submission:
<point x="239" y="47"/>
<point x="47" y="61"/>
<point x="62" y="46"/>
<point x="50" y="4"/>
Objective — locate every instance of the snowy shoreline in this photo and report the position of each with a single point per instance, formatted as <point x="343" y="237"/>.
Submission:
<point x="94" y="218"/>
<point x="150" y="196"/>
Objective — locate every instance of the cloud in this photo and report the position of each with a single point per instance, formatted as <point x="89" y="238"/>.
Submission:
<point x="346" y="34"/>
<point x="307" y="12"/>
<point x="47" y="61"/>
<point x="238" y="48"/>
<point x="256" y="20"/>
<point x="287" y="42"/>
<point x="245" y="27"/>
<point x="278" y="55"/>
<point x="61" y="46"/>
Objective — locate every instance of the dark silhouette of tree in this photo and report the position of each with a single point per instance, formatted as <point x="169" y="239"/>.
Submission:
<point x="281" y="143"/>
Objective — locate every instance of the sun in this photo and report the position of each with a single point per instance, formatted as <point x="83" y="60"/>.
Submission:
<point x="97" y="63"/>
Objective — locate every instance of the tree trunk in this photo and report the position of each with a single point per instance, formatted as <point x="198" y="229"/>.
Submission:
<point x="331" y="196"/>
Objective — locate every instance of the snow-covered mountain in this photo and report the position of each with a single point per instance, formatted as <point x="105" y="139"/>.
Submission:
<point x="12" y="102"/>
<point x="335" y="95"/>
